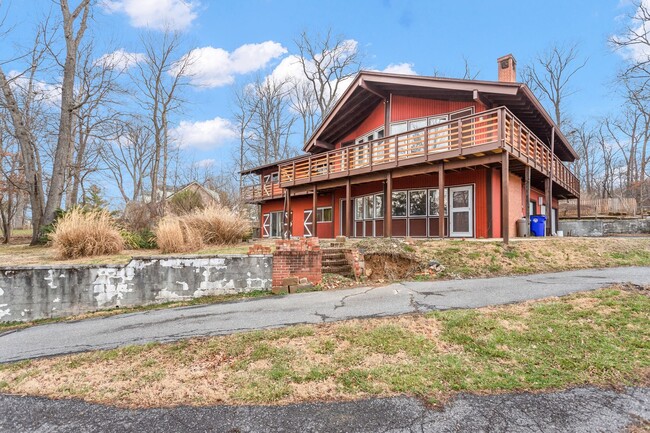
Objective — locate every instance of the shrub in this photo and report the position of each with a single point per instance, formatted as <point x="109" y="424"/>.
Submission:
<point x="184" y="202"/>
<point x="137" y="240"/>
<point x="219" y="225"/>
<point x="79" y="233"/>
<point x="140" y="216"/>
<point x="175" y="235"/>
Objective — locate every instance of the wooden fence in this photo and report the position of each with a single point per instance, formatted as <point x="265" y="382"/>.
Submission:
<point x="599" y="207"/>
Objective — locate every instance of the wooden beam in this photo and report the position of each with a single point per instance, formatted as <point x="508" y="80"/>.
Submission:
<point x="441" y="201"/>
<point x="348" y="209"/>
<point x="388" y="206"/>
<point x="371" y="89"/>
<point x="387" y="103"/>
<point x="527" y="186"/>
<point x="578" y="203"/>
<point x="477" y="97"/>
<point x="314" y="209"/>
<point x="505" y="217"/>
<point x="490" y="216"/>
<point x="324" y="145"/>
<point x="287" y="216"/>
<point x="549" y="189"/>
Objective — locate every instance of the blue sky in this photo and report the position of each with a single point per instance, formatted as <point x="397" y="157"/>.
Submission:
<point x="422" y="36"/>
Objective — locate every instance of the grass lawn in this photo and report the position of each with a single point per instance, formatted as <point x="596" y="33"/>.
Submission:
<point x="467" y="259"/>
<point x="600" y="338"/>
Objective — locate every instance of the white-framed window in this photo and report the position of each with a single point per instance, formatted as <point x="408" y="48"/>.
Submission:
<point x="369" y="136"/>
<point x="398" y="204"/>
<point x="379" y="205"/>
<point x="434" y="207"/>
<point x="324" y="214"/>
<point x="368" y="207"/>
<point x="358" y="208"/>
<point x="418" y="202"/>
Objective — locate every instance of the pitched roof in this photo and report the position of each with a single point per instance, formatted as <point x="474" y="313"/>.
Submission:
<point x="369" y="88"/>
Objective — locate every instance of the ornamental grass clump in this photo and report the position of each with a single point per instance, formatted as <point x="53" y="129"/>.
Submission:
<point x="174" y="235"/>
<point x="218" y="225"/>
<point x="83" y="233"/>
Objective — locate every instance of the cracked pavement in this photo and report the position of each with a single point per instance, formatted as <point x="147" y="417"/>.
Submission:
<point x="173" y="324"/>
<point x="576" y="410"/>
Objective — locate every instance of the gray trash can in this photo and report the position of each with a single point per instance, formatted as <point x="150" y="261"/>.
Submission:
<point x="522" y="227"/>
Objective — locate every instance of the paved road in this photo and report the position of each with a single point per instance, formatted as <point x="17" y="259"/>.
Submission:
<point x="578" y="410"/>
<point x="316" y="307"/>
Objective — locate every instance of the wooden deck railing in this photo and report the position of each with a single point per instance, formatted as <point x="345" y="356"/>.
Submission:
<point x="430" y="143"/>
<point x="477" y="133"/>
<point x="526" y="146"/>
<point x="261" y="192"/>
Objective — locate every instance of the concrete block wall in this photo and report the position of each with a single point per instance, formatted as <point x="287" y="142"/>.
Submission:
<point x="36" y="292"/>
<point x="604" y="227"/>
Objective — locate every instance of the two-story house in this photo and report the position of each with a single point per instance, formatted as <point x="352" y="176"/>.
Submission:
<point x="418" y="156"/>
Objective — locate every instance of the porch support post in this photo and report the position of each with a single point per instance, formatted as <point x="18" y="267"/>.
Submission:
<point x="579" y="216"/>
<point x="388" y="206"/>
<point x="527" y="186"/>
<point x="441" y="200"/>
<point x="548" y="200"/>
<point x="549" y="188"/>
<point x="287" y="215"/>
<point x="505" y="217"/>
<point x="490" y="211"/>
<point x="314" y="208"/>
<point x="387" y="115"/>
<point x="348" y="209"/>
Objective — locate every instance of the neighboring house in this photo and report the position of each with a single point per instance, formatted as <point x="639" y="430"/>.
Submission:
<point x="208" y="196"/>
<point x="487" y="150"/>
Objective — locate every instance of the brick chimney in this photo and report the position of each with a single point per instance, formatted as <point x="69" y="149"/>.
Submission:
<point x="507" y="66"/>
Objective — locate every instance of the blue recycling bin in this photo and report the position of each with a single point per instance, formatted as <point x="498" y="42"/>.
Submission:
<point x="538" y="225"/>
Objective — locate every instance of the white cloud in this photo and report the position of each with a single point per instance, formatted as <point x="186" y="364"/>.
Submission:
<point x="120" y="59"/>
<point x="214" y="67"/>
<point x="639" y="52"/>
<point x="45" y="92"/>
<point x="155" y="14"/>
<point x="206" y="134"/>
<point x="205" y="163"/>
<point x="400" y="68"/>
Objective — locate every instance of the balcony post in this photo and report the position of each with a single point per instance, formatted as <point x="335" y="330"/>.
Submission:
<point x="348" y="209"/>
<point x="500" y="129"/>
<point x="441" y="200"/>
<point x="314" y="211"/>
<point x="549" y="190"/>
<point x="396" y="151"/>
<point x="388" y="206"/>
<point x="527" y="185"/>
<point x="328" y="165"/>
<point x="505" y="177"/>
<point x="426" y="143"/>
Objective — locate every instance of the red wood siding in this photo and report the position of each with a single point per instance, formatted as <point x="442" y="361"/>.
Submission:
<point x="405" y="107"/>
<point x="372" y="122"/>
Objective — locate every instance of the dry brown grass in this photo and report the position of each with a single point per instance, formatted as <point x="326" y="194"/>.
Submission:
<point x="175" y="235"/>
<point x="218" y="225"/>
<point x="83" y="234"/>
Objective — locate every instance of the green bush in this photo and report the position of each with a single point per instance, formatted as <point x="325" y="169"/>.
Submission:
<point x="139" y="240"/>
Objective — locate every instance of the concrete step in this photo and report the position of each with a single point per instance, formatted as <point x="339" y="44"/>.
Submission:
<point x="339" y="262"/>
<point x="341" y="270"/>
<point x="333" y="256"/>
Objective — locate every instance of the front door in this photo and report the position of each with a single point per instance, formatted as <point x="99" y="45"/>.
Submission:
<point x="309" y="223"/>
<point x="461" y="212"/>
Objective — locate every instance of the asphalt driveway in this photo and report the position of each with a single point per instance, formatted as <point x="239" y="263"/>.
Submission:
<point x="217" y="319"/>
<point x="578" y="410"/>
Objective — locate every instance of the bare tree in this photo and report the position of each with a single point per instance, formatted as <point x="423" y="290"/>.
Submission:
<point x="129" y="159"/>
<point x="73" y="36"/>
<point x="550" y="76"/>
<point x="94" y="118"/>
<point x="159" y="77"/>
<point x="327" y="61"/>
<point x="265" y="122"/>
<point x="634" y="42"/>
<point x="22" y="103"/>
<point x="469" y="73"/>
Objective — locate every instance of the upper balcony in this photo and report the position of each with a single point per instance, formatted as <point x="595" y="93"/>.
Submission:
<point x="494" y="130"/>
